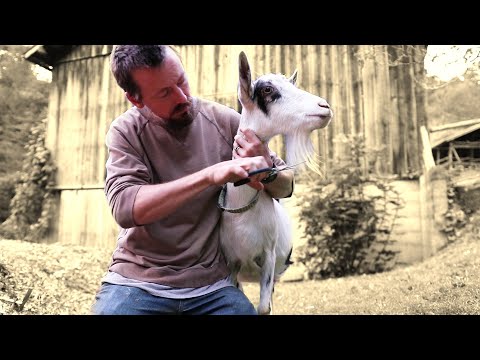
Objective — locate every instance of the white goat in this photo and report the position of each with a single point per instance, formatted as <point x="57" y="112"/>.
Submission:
<point x="257" y="242"/>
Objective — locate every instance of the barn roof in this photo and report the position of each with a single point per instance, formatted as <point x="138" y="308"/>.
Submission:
<point x="452" y="131"/>
<point x="47" y="55"/>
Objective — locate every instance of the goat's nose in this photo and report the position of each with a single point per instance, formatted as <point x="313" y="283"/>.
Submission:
<point x="323" y="103"/>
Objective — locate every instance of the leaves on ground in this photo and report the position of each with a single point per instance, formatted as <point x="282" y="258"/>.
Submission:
<point x="64" y="279"/>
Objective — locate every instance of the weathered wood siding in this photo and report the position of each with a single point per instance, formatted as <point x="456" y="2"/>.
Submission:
<point x="371" y="89"/>
<point x="83" y="102"/>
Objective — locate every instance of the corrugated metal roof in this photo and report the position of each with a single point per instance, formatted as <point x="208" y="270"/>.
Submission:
<point x="439" y="136"/>
<point x="47" y="55"/>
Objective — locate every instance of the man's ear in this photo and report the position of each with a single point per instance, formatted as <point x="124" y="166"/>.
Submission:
<point x="134" y="101"/>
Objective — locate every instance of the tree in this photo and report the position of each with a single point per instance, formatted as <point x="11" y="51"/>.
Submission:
<point x="23" y="103"/>
<point x="453" y="83"/>
<point x="447" y="62"/>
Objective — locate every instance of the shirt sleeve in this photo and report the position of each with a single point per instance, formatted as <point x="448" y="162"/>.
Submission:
<point x="278" y="163"/>
<point x="126" y="173"/>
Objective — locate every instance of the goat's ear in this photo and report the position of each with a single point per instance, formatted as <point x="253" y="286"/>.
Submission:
<point x="293" y="78"/>
<point x="245" y="91"/>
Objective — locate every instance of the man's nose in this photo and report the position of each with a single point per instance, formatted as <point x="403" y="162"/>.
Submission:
<point x="180" y="96"/>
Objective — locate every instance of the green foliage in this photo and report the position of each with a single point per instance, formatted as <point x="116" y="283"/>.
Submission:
<point x="347" y="230"/>
<point x="456" y="101"/>
<point x="7" y="191"/>
<point x="32" y="206"/>
<point x="23" y="102"/>
<point x="455" y="218"/>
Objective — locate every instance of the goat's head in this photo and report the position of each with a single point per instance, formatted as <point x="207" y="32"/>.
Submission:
<point x="273" y="105"/>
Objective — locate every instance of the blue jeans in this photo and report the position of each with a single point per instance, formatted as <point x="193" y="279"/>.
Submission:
<point x="127" y="300"/>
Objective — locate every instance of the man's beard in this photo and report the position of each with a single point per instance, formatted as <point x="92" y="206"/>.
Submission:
<point x="175" y="123"/>
<point x="182" y="120"/>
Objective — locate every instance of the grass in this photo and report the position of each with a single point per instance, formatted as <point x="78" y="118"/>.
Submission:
<point x="448" y="283"/>
<point x="64" y="278"/>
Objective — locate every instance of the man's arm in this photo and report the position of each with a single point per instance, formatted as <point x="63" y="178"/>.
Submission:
<point x="154" y="202"/>
<point x="282" y="186"/>
<point x="133" y="198"/>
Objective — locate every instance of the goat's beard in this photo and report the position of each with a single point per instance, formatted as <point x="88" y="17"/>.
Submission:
<point x="300" y="151"/>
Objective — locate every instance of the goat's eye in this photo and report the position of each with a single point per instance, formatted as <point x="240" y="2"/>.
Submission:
<point x="267" y="90"/>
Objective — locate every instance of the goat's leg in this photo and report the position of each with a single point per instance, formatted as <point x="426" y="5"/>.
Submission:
<point x="235" y="269"/>
<point x="266" y="282"/>
<point x="271" y="300"/>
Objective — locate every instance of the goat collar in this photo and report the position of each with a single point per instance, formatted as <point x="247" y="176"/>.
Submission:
<point x="221" y="202"/>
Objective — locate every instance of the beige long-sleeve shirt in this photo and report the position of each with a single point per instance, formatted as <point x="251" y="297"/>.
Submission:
<point x="181" y="250"/>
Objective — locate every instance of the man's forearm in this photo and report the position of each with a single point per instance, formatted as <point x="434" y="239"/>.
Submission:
<point x="154" y="202"/>
<point x="282" y="186"/>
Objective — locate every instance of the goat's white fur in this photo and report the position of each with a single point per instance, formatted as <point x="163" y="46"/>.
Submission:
<point x="262" y="235"/>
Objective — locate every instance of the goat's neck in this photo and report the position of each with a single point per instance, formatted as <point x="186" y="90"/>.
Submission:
<point x="297" y="140"/>
<point x="239" y="196"/>
<point x="251" y="122"/>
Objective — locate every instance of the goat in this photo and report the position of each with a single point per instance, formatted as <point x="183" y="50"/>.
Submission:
<point x="257" y="243"/>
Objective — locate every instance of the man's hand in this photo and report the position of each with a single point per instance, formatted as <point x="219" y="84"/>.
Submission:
<point x="248" y="144"/>
<point x="237" y="169"/>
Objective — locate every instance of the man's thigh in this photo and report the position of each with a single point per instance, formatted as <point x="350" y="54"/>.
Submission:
<point x="128" y="300"/>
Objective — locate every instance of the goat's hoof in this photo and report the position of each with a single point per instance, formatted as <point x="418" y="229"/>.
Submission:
<point x="264" y="310"/>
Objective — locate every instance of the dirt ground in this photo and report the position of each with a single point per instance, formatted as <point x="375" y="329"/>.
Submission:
<point x="56" y="279"/>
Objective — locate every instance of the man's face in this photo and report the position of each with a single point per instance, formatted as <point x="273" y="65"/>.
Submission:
<point x="165" y="91"/>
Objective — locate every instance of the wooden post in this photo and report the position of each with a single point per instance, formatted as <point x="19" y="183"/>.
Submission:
<point x="428" y="161"/>
<point x="450" y="156"/>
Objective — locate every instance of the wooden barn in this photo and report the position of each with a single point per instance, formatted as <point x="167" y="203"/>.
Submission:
<point x="456" y="144"/>
<point x="371" y="88"/>
<point x="455" y="147"/>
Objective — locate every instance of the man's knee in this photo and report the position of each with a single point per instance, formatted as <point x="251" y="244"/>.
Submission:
<point x="114" y="300"/>
<point x="238" y="301"/>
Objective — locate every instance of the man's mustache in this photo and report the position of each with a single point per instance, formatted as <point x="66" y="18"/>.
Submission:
<point x="181" y="107"/>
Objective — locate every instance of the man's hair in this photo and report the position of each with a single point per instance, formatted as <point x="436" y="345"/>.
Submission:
<point x="126" y="58"/>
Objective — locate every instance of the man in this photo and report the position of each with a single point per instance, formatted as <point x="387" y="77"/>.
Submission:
<point x="169" y="155"/>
